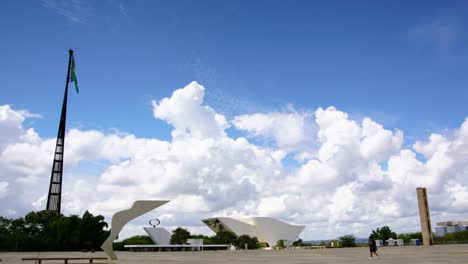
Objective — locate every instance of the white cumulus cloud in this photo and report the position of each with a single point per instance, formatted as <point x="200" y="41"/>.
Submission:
<point x="184" y="110"/>
<point x="290" y="130"/>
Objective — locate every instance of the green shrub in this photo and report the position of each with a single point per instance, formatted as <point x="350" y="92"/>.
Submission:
<point x="262" y="244"/>
<point x="280" y="244"/>
<point x="134" y="240"/>
<point x="347" y="241"/>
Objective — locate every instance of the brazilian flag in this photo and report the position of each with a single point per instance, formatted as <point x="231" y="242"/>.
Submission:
<point x="73" y="74"/>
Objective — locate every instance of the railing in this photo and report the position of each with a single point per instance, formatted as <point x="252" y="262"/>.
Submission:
<point x="174" y="247"/>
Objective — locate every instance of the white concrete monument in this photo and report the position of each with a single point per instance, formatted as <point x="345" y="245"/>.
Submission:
<point x="266" y="229"/>
<point x="120" y="219"/>
<point x="159" y="235"/>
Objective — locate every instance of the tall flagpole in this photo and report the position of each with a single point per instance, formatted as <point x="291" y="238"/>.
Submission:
<point x="54" y="198"/>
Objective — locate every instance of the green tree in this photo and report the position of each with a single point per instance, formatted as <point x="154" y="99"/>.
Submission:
<point x="69" y="233"/>
<point x="298" y="243"/>
<point x="384" y="233"/>
<point x="92" y="231"/>
<point x="280" y="244"/>
<point x="252" y="242"/>
<point x="347" y="241"/>
<point x="225" y="237"/>
<point x="180" y="236"/>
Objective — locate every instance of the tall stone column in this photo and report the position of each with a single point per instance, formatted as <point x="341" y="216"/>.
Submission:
<point x="424" y="216"/>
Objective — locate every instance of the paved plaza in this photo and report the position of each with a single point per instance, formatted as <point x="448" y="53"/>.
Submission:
<point x="401" y="255"/>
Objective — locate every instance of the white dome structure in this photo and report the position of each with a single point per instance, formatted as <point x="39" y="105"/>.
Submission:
<point x="266" y="229"/>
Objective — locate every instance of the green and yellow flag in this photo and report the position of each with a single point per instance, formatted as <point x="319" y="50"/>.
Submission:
<point x="73" y="74"/>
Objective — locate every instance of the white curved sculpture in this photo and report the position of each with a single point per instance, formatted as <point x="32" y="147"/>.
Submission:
<point x="266" y="229"/>
<point x="120" y="219"/>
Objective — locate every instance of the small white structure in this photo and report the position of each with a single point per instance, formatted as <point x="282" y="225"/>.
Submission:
<point x="390" y="242"/>
<point x="415" y="242"/>
<point x="379" y="243"/>
<point x="195" y="241"/>
<point x="399" y="242"/>
<point x="159" y="235"/>
<point x="266" y="229"/>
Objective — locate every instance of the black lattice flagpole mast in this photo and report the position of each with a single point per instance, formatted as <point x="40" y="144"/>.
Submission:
<point x="54" y="198"/>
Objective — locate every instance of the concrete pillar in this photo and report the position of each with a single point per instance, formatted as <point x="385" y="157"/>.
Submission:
<point x="424" y="216"/>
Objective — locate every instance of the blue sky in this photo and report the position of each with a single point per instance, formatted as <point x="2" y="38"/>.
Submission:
<point x="401" y="63"/>
<point x="330" y="102"/>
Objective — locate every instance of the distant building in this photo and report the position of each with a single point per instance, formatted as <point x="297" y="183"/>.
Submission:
<point x="443" y="228"/>
<point x="266" y="229"/>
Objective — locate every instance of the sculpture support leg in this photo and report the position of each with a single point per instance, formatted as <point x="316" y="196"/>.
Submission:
<point x="120" y="219"/>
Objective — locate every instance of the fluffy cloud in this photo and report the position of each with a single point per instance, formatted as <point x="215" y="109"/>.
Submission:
<point x="11" y="126"/>
<point x="290" y="129"/>
<point x="350" y="175"/>
<point x="184" y="110"/>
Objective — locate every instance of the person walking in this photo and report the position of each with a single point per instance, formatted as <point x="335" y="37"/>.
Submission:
<point x="373" y="247"/>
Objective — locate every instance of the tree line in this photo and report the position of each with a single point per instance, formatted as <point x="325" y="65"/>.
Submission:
<point x="384" y="233"/>
<point x="50" y="231"/>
